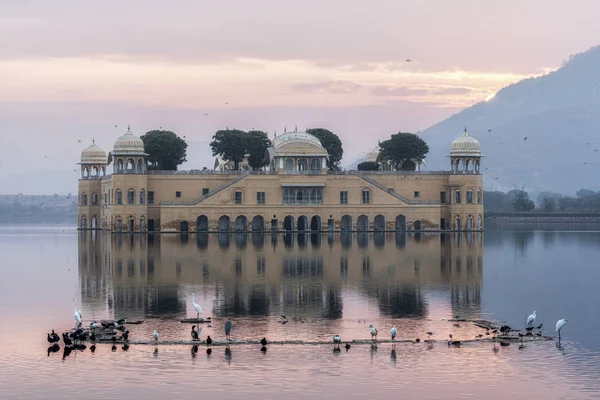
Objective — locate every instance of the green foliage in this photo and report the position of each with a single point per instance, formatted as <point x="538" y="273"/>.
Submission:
<point x="257" y="145"/>
<point x="230" y="144"/>
<point x="368" y="166"/>
<point x="165" y="149"/>
<point x="581" y="193"/>
<point x="233" y="145"/>
<point x="401" y="149"/>
<point x="332" y="143"/>
<point x="548" y="204"/>
<point x="522" y="202"/>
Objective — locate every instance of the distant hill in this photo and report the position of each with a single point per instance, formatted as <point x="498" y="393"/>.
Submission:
<point x="559" y="113"/>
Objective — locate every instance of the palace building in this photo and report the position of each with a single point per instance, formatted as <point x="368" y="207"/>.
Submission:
<point x="296" y="193"/>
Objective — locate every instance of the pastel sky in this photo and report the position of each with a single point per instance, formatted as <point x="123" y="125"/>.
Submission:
<point x="70" y="70"/>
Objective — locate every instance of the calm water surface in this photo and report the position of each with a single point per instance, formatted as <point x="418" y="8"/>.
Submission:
<point x="329" y="284"/>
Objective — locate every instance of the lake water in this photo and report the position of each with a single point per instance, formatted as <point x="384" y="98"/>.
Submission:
<point x="325" y="285"/>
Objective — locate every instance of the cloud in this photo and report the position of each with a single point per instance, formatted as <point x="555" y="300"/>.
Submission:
<point x="453" y="90"/>
<point x="335" y="87"/>
<point x="398" y="91"/>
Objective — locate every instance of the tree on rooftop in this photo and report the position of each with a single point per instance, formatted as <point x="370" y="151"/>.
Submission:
<point x="332" y="143"/>
<point x="402" y="150"/>
<point x="165" y="150"/>
<point x="368" y="166"/>
<point x="257" y="145"/>
<point x="230" y="144"/>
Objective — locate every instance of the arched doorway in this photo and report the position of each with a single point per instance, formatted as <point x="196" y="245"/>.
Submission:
<point x="479" y="222"/>
<point x="315" y="222"/>
<point x="288" y="223"/>
<point x="401" y="222"/>
<point x="302" y="223"/>
<point x="94" y="222"/>
<point x="417" y="225"/>
<point x="184" y="226"/>
<point x="131" y="226"/>
<point x="379" y="223"/>
<point x="346" y="224"/>
<point x="258" y="223"/>
<point x="457" y="226"/>
<point x="241" y="224"/>
<point x="224" y="224"/>
<point x="288" y="166"/>
<point x="470" y="223"/>
<point x="118" y="224"/>
<point x="83" y="224"/>
<point x="362" y="223"/>
<point x="142" y="224"/>
<point x="202" y="223"/>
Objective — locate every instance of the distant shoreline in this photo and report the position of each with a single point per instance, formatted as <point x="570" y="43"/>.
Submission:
<point x="568" y="218"/>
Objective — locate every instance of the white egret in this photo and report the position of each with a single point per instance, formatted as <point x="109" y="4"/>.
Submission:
<point x="559" y="326"/>
<point x="76" y="313"/>
<point x="393" y="332"/>
<point x="155" y="335"/>
<point x="531" y="318"/>
<point x="373" y="332"/>
<point x="196" y="307"/>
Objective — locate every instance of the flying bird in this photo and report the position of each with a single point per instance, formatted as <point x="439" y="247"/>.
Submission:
<point x="525" y="138"/>
<point x="408" y="60"/>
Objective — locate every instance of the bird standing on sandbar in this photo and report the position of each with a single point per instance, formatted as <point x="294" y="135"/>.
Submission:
<point x="531" y="319"/>
<point x="337" y="339"/>
<point x="373" y="332"/>
<point x="228" y="326"/>
<point x="194" y="333"/>
<point x="196" y="307"/>
<point x="155" y="335"/>
<point x="76" y="313"/>
<point x="559" y="326"/>
<point x="393" y="333"/>
<point x="208" y="341"/>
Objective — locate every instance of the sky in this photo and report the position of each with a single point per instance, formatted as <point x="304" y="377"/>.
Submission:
<point x="72" y="70"/>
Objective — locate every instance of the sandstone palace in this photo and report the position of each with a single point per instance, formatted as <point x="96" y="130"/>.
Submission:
<point x="295" y="193"/>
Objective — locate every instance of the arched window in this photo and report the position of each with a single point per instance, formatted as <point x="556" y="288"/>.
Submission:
<point x="479" y="196"/>
<point x="94" y="199"/>
<point x="315" y="166"/>
<point x="130" y="165"/>
<point x="457" y="197"/>
<point x="302" y="166"/>
<point x="120" y="165"/>
<point x="84" y="199"/>
<point x="140" y="165"/>
<point x="288" y="166"/>
<point x="118" y="196"/>
<point x="131" y="196"/>
<point x="469" y="197"/>
<point x="142" y="196"/>
<point x="83" y="222"/>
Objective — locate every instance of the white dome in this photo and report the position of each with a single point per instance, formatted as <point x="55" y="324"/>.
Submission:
<point x="296" y="137"/>
<point x="128" y="144"/>
<point x="93" y="155"/>
<point x="465" y="145"/>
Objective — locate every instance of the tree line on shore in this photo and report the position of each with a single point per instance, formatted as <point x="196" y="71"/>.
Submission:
<point x="585" y="201"/>
<point x="166" y="150"/>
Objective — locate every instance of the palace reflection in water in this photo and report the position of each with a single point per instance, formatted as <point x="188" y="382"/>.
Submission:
<point x="271" y="274"/>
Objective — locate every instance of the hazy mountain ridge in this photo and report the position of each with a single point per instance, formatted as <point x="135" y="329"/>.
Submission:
<point x="559" y="113"/>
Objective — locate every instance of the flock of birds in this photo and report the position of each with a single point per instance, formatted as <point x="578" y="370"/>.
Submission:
<point x="74" y="339"/>
<point x="504" y="330"/>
